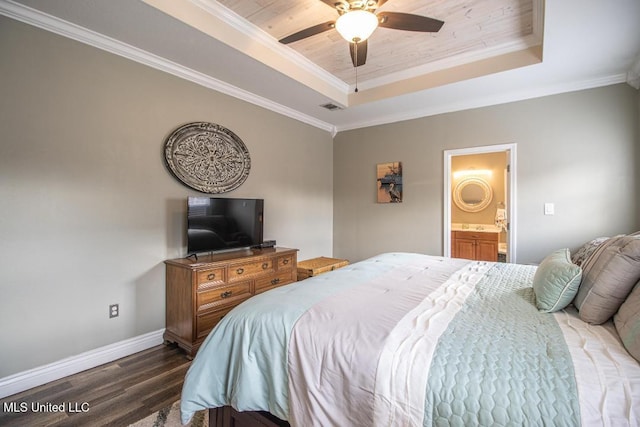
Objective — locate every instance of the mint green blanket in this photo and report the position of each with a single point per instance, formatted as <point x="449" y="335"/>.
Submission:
<point x="501" y="362"/>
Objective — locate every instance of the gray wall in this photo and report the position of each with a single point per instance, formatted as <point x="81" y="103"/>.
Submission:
<point x="89" y="213"/>
<point x="88" y="210"/>
<point x="578" y="150"/>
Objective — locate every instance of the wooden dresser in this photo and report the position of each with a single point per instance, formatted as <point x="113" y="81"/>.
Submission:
<point x="200" y="292"/>
<point x="476" y="245"/>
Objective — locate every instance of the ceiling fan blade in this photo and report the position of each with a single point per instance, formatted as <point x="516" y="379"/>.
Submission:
<point x="409" y="22"/>
<point x="332" y="3"/>
<point x="308" y="32"/>
<point x="361" y="49"/>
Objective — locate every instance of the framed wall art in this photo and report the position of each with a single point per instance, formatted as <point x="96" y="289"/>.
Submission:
<point x="389" y="180"/>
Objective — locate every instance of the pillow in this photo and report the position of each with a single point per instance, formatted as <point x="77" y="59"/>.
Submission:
<point x="627" y="322"/>
<point x="607" y="278"/>
<point x="585" y="251"/>
<point x="556" y="281"/>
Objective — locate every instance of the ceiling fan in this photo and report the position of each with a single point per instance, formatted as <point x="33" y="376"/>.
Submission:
<point x="358" y="20"/>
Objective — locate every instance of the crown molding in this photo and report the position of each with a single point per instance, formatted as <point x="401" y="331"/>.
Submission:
<point x="58" y="26"/>
<point x="498" y="99"/>
<point x="213" y="20"/>
<point x="538" y="19"/>
<point x="255" y="34"/>
<point x="451" y="62"/>
<point x="532" y="40"/>
<point x="38" y="19"/>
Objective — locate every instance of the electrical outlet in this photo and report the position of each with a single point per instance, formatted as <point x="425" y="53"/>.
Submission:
<point x="549" y="209"/>
<point x="114" y="310"/>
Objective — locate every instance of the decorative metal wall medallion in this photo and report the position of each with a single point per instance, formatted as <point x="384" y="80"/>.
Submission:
<point x="207" y="157"/>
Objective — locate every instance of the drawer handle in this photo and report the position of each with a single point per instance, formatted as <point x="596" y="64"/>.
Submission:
<point x="226" y="294"/>
<point x="240" y="270"/>
<point x="211" y="276"/>
<point x="275" y="281"/>
<point x="285" y="261"/>
<point x="265" y="265"/>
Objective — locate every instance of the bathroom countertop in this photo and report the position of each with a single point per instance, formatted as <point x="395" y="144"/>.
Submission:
<point x="483" y="228"/>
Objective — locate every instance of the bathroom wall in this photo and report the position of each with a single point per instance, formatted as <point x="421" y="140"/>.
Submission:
<point x="495" y="164"/>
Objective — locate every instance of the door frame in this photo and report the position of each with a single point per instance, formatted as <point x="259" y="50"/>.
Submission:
<point x="511" y="193"/>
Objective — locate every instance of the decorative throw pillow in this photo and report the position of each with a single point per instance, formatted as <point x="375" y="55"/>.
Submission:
<point x="627" y="322"/>
<point x="607" y="278"/>
<point x="556" y="281"/>
<point x="585" y="251"/>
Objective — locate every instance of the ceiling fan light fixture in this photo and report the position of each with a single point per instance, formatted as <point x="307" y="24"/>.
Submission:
<point x="357" y="25"/>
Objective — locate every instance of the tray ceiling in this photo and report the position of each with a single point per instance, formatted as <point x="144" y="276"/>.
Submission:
<point x="479" y="37"/>
<point x="488" y="51"/>
<point x="473" y="29"/>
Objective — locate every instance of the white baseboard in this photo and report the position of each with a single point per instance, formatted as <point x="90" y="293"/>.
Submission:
<point x="72" y="365"/>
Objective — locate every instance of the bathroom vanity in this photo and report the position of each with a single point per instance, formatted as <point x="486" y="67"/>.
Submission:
<point x="476" y="242"/>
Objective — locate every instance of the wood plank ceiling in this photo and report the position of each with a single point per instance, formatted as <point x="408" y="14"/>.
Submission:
<point x="473" y="29"/>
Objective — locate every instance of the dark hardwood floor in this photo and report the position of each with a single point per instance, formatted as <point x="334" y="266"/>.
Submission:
<point x="116" y="394"/>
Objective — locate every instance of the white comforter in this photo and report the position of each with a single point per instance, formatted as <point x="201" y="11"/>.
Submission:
<point x="356" y="347"/>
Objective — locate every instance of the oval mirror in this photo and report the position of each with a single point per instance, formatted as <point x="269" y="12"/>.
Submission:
<point x="472" y="194"/>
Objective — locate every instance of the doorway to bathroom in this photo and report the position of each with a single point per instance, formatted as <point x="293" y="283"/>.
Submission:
<point x="479" y="203"/>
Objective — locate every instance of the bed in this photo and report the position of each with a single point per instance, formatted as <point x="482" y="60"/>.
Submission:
<point x="405" y="339"/>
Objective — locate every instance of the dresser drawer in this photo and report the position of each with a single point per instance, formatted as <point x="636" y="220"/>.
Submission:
<point x="285" y="262"/>
<point x="205" y="322"/>
<point x="242" y="271"/>
<point x="209" y="278"/>
<point x="266" y="283"/>
<point x="223" y="295"/>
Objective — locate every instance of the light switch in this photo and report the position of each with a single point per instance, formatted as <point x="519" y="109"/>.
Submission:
<point x="549" y="209"/>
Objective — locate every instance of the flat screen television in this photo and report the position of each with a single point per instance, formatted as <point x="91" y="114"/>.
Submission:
<point x="219" y="224"/>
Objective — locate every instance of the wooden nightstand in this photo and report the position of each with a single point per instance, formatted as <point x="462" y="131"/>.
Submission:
<point x="316" y="266"/>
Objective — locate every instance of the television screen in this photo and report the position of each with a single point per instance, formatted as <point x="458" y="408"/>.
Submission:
<point x="218" y="224"/>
